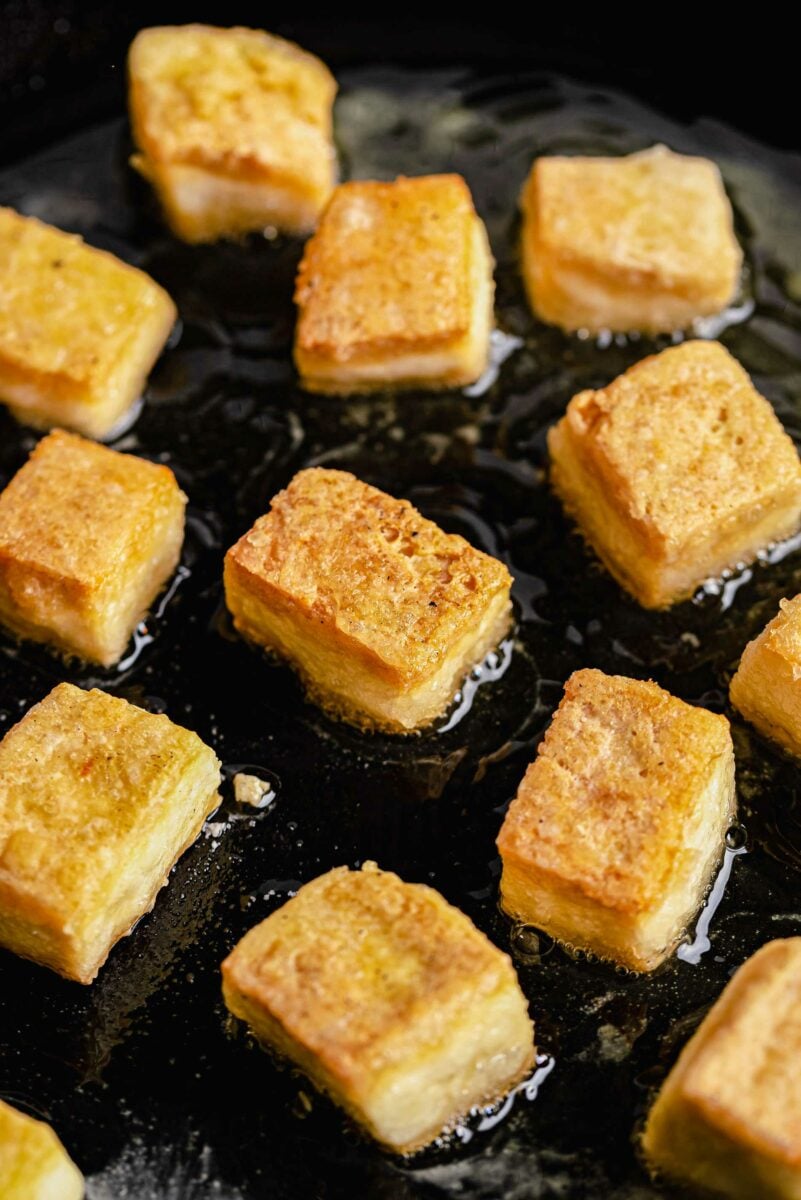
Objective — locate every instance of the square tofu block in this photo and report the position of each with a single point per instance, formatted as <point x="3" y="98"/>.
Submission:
<point x="676" y="471"/>
<point x="395" y="289"/>
<point x="33" y="1163"/>
<point x="98" y="801"/>
<point x="234" y="129"/>
<point x="380" y="612"/>
<point x="767" y="685"/>
<point x="644" y="242"/>
<point x="88" y="537"/>
<point x="619" y="824"/>
<point x="728" y="1118"/>
<point x="388" y="998"/>
<point x="79" y="329"/>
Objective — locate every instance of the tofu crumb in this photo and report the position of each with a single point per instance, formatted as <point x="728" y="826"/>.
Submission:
<point x="249" y="789"/>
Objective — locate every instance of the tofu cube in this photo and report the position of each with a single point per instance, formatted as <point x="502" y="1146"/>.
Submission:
<point x="79" y="329"/>
<point x="98" y="801"/>
<point x="388" y="998"/>
<point x="644" y="242"/>
<point x="380" y="612"/>
<point x="395" y="289"/>
<point x="766" y="687"/>
<point x="618" y="826"/>
<point x="676" y="471"/>
<point x="33" y="1163"/>
<point x="234" y="129"/>
<point x="728" y="1117"/>
<point x="88" y="537"/>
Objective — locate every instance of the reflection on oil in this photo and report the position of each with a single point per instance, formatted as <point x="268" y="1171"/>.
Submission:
<point x="137" y="1072"/>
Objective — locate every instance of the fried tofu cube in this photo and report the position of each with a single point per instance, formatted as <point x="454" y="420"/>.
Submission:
<point x="728" y="1117"/>
<point x="98" y="801"/>
<point x="766" y="687"/>
<point x="676" y="471"/>
<point x="388" y="998"/>
<point x="619" y="824"/>
<point x="644" y="242"/>
<point x="33" y="1163"/>
<point x="395" y="289"/>
<point x="381" y="613"/>
<point x="88" y="538"/>
<point x="234" y="129"/>
<point x="79" y="329"/>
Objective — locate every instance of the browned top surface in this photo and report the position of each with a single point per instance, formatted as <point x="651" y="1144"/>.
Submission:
<point x="84" y="778"/>
<point x="604" y="804"/>
<point x="29" y="1152"/>
<point x="232" y="100"/>
<point x="67" y="309"/>
<point x="389" y="266"/>
<point x="372" y="569"/>
<point x="742" y="1069"/>
<point x="77" y="510"/>
<point x="364" y="969"/>
<point x="683" y="441"/>
<point x="782" y="635"/>
<point x="654" y="215"/>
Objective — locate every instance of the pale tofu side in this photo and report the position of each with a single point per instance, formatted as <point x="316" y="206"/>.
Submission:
<point x="381" y="613"/>
<point x="390" y="999"/>
<point x="618" y="826"/>
<point x="675" y="471"/>
<point x="728" y="1117"/>
<point x="766" y="687"/>
<point x="644" y="242"/>
<point x="33" y="1163"/>
<point x="234" y="129"/>
<point x="98" y="801"/>
<point x="79" y="329"/>
<point x="395" y="289"/>
<point x="88" y="538"/>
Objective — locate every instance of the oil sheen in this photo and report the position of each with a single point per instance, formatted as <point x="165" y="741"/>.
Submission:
<point x="152" y="1089"/>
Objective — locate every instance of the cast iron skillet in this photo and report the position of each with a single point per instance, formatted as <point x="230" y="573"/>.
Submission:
<point x="156" y="1093"/>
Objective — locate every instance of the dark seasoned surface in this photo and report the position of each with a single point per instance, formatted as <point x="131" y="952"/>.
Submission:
<point x="153" y="1091"/>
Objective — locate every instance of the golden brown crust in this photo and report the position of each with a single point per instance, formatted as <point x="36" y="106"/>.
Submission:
<point x="735" y="1086"/>
<point x="235" y="128"/>
<point x="33" y="1163"/>
<point x="604" y="804"/>
<point x="97" y="800"/>
<point x="237" y="101"/>
<point x="644" y="241"/>
<point x="75" y="322"/>
<point x="49" y="510"/>
<point x="766" y="687"/>
<point x="369" y="572"/>
<point x="88" y="537"/>
<point x="388" y="268"/>
<point x="689" y="458"/>
<point x="361" y="975"/>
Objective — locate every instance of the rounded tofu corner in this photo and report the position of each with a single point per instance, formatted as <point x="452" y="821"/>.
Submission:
<point x="727" y="1116"/>
<point x="34" y="1165"/>
<point x="642" y="242"/>
<point x="669" y="497"/>
<point x="378" y="1040"/>
<point x="233" y="128"/>
<point x="619" y="824"/>
<point x="75" y="575"/>
<point x="117" y="776"/>
<point x="80" y="364"/>
<point x="424" y="323"/>
<point x="381" y="613"/>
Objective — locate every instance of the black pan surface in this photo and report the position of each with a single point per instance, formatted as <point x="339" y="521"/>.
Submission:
<point x="156" y="1093"/>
